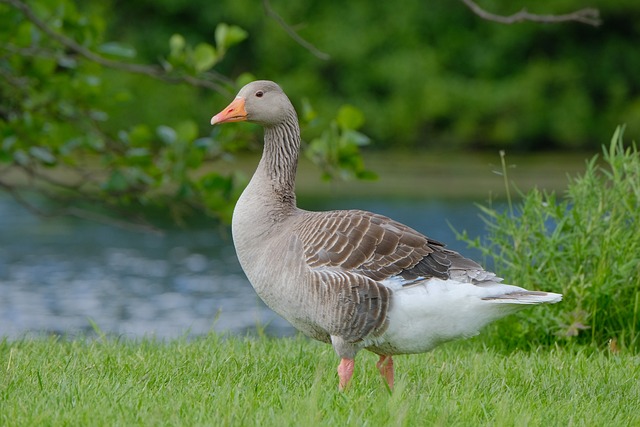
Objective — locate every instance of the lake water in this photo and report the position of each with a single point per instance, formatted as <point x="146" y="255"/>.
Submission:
<point x="57" y="276"/>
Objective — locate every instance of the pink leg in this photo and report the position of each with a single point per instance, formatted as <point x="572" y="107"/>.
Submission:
<point x="385" y="366"/>
<point x="345" y="372"/>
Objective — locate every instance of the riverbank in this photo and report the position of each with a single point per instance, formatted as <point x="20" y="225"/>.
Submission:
<point x="437" y="175"/>
<point x="421" y="175"/>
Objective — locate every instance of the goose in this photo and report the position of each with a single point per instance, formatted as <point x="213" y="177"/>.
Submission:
<point x="353" y="279"/>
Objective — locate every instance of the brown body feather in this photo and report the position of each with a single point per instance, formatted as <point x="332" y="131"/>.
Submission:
<point x="352" y="250"/>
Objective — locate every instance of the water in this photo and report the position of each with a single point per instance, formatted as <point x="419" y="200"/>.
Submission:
<point x="57" y="276"/>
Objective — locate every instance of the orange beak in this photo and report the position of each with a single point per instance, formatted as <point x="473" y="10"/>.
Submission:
<point x="234" y="112"/>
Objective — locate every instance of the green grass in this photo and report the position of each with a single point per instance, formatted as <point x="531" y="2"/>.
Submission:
<point x="226" y="381"/>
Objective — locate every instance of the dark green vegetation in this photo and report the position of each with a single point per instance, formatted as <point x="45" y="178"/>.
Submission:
<point x="427" y="73"/>
<point x="583" y="243"/>
<point x="291" y="382"/>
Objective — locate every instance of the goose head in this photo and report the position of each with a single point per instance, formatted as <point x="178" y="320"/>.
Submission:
<point x="262" y="102"/>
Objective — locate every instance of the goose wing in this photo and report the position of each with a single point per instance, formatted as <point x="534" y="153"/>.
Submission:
<point x="380" y="248"/>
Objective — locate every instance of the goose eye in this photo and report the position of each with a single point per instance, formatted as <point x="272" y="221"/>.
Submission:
<point x="259" y="94"/>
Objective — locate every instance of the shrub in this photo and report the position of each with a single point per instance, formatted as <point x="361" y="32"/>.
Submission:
<point x="585" y="245"/>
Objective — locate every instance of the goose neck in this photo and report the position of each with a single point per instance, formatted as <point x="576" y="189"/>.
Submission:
<point x="280" y="158"/>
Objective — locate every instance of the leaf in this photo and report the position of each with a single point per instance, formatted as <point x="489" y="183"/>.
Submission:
<point x="138" y="156"/>
<point x="355" y="137"/>
<point x="205" y="143"/>
<point x="176" y="44"/>
<point x="187" y="130"/>
<point x="98" y="115"/>
<point x="244" y="79"/>
<point x="228" y="35"/>
<point x="166" y="134"/>
<point x="140" y="135"/>
<point x="212" y="181"/>
<point x="67" y="62"/>
<point x="194" y="159"/>
<point x="349" y="117"/>
<point x="44" y="66"/>
<point x="204" y="57"/>
<point x="25" y="34"/>
<point x="43" y="154"/>
<point x="235" y="35"/>
<point x="117" y="49"/>
<point x="6" y="149"/>
<point x="116" y="182"/>
<point x="9" y="142"/>
<point x="308" y="113"/>
<point x="21" y="158"/>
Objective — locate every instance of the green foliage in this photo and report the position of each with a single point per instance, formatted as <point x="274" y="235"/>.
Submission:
<point x="232" y="381"/>
<point x="55" y="133"/>
<point x="584" y="245"/>
<point x="337" y="149"/>
<point x="432" y="74"/>
<point x="203" y="56"/>
<point x="66" y="129"/>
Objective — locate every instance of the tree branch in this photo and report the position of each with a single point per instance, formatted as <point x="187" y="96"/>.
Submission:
<point x="587" y="16"/>
<point x="156" y="72"/>
<point x="292" y="33"/>
<point x="141" y="226"/>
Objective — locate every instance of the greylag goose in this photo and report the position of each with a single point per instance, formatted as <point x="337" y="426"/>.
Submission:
<point x="351" y="278"/>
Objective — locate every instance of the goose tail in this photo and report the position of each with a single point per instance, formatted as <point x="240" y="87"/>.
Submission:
<point x="526" y="297"/>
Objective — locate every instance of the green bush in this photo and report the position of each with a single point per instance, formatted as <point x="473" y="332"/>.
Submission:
<point x="585" y="245"/>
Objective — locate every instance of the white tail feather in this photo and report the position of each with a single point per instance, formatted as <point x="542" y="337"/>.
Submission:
<point x="526" y="297"/>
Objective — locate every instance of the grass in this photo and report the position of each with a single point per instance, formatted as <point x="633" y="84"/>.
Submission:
<point x="233" y="381"/>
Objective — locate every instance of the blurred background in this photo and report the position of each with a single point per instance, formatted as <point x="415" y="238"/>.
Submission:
<point x="426" y="74"/>
<point x="117" y="193"/>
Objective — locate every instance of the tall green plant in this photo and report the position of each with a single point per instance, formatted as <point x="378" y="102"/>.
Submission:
<point x="585" y="245"/>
